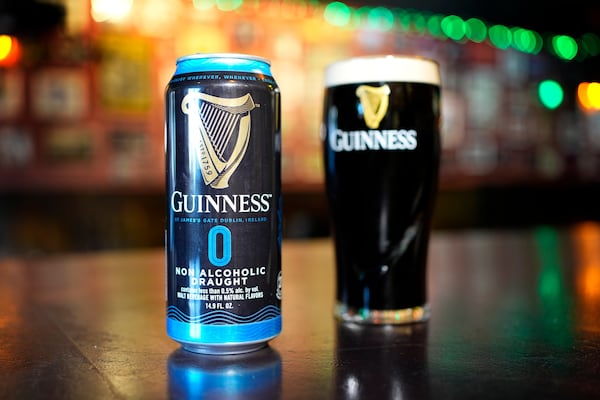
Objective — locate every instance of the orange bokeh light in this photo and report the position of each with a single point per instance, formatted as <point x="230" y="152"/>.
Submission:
<point x="588" y="96"/>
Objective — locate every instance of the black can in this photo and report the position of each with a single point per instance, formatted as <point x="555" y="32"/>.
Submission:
<point x="223" y="203"/>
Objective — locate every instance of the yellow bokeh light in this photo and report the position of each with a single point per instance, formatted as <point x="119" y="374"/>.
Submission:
<point x="593" y="94"/>
<point x="10" y="51"/>
<point x="6" y="44"/>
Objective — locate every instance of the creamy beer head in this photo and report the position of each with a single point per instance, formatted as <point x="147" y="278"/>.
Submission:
<point x="389" y="68"/>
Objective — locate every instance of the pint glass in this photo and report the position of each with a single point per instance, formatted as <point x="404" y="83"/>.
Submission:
<point x="381" y="145"/>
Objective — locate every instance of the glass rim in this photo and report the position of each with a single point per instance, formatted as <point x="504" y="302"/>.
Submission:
<point x="383" y="68"/>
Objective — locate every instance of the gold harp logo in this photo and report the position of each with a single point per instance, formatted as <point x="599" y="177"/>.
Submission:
<point x="219" y="131"/>
<point x="375" y="102"/>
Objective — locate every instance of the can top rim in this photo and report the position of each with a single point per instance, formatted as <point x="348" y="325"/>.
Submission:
<point x="239" y="56"/>
<point x="380" y="68"/>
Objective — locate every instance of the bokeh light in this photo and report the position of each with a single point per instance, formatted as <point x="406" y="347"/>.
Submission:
<point x="500" y="36"/>
<point x="380" y="18"/>
<point x="588" y="96"/>
<point x="590" y="42"/>
<point x="403" y="18"/>
<point x="454" y="27"/>
<point x="337" y="14"/>
<point x="475" y="30"/>
<point x="434" y="26"/>
<point x="419" y="22"/>
<point x="110" y="10"/>
<point x="9" y="50"/>
<point x="564" y="46"/>
<point x="551" y="94"/>
<point x="6" y="44"/>
<point x="526" y="41"/>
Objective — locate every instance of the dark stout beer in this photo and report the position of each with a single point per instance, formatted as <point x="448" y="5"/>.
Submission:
<point x="381" y="145"/>
<point x="223" y="184"/>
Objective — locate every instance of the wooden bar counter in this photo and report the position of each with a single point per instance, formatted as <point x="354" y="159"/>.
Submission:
<point x="515" y="315"/>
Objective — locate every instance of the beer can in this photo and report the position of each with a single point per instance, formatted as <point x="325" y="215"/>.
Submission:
<point x="223" y="203"/>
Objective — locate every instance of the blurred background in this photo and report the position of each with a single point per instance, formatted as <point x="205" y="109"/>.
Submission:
<point x="81" y="107"/>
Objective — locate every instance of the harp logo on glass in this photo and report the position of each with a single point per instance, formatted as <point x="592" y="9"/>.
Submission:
<point x="374" y="104"/>
<point x="219" y="134"/>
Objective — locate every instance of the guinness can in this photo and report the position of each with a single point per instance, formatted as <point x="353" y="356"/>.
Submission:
<point x="381" y="145"/>
<point x="223" y="186"/>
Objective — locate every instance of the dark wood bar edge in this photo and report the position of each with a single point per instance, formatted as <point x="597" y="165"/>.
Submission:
<point x="515" y="314"/>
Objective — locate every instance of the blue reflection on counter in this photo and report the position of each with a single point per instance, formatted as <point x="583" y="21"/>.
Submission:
<point x="255" y="375"/>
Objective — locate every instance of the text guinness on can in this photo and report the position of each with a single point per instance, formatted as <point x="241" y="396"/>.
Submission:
<point x="223" y="186"/>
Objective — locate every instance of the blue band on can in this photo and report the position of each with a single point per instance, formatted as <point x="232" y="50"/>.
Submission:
<point x="226" y="62"/>
<point x="223" y="334"/>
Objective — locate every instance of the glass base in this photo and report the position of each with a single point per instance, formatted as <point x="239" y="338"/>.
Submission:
<point x="382" y="317"/>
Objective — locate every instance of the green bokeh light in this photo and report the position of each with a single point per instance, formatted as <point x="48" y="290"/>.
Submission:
<point x="454" y="27"/>
<point x="564" y="46"/>
<point x="380" y="18"/>
<point x="500" y="36"/>
<point x="403" y="19"/>
<point x="591" y="43"/>
<point x="337" y="14"/>
<point x="434" y="26"/>
<point x="419" y="22"/>
<point x="539" y="42"/>
<point x="551" y="94"/>
<point x="525" y="40"/>
<point x="443" y="27"/>
<point x="475" y="30"/>
<point x="360" y="17"/>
